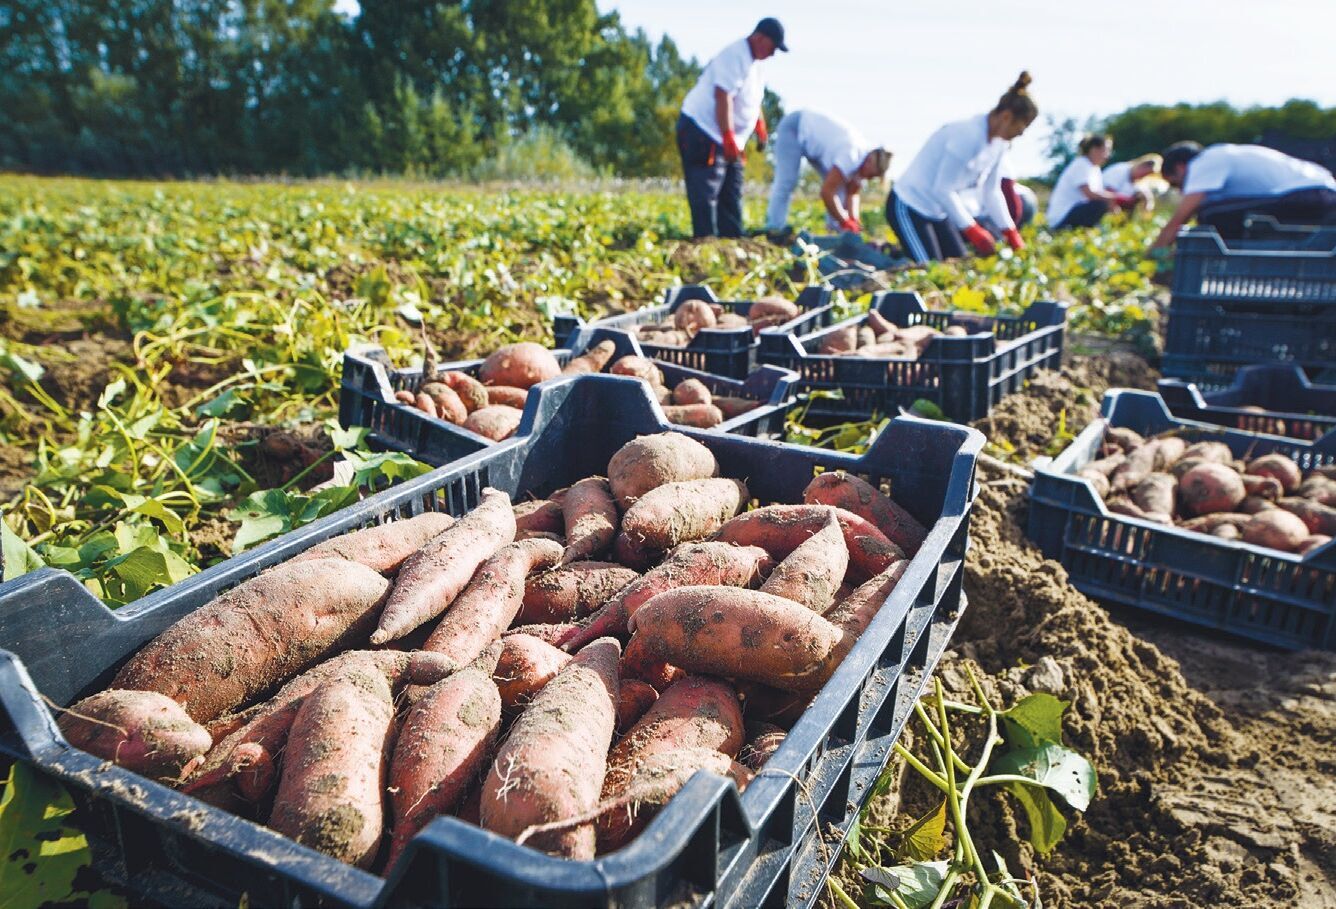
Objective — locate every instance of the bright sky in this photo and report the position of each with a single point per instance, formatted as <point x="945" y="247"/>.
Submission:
<point x="898" y="71"/>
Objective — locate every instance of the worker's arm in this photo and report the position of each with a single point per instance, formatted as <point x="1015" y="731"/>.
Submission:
<point x="1182" y="215"/>
<point x="723" y="115"/>
<point x="830" y="196"/>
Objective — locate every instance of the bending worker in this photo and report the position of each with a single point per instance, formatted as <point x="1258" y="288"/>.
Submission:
<point x="1080" y="198"/>
<point x="925" y="207"/>
<point x="1131" y="178"/>
<point x="1223" y="184"/>
<point x="837" y="152"/>
<point x="718" y="115"/>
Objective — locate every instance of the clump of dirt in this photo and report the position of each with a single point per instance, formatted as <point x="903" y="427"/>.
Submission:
<point x="1216" y="782"/>
<point x="79" y="369"/>
<point x="275" y="457"/>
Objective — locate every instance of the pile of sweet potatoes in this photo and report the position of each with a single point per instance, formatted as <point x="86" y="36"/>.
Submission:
<point x="553" y="670"/>
<point x="1201" y="486"/>
<point x="493" y="403"/>
<point x="876" y="337"/>
<point x="693" y="316"/>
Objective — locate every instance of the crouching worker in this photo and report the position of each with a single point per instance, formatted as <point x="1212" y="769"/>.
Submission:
<point x="837" y="152"/>
<point x="1080" y="198"/>
<point x="1134" y="178"/>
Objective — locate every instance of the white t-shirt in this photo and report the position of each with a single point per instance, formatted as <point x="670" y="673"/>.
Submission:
<point x="956" y="159"/>
<point x="1235" y="171"/>
<point x="1118" y="178"/>
<point x="734" y="70"/>
<point x="1080" y="173"/>
<point x="828" y="142"/>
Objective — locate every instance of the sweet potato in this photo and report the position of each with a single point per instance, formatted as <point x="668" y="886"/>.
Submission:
<point x="1276" y="529"/>
<point x="382" y="548"/>
<point x="1105" y="465"/>
<point x="695" y="712"/>
<point x="449" y="406"/>
<point x="258" y="635"/>
<point x="590" y="517"/>
<point x="691" y="391"/>
<point x="445" y="741"/>
<point x="526" y="665"/>
<point x="717" y="564"/>
<point x="1253" y="504"/>
<point x="1280" y="468"/>
<point x="552" y="764"/>
<point x="652" y="461"/>
<point x="879" y="324"/>
<point x="497" y="422"/>
<point x="330" y="793"/>
<point x="521" y="365"/>
<point x="142" y="731"/>
<point x="1117" y="438"/>
<point x="1099" y="481"/>
<point x="248" y="742"/>
<point x="432" y="577"/>
<point x="769" y="311"/>
<point x="732" y="407"/>
<point x="1318" y="517"/>
<point x="733" y="633"/>
<point x="424" y="403"/>
<point x="1262" y="487"/>
<point x="1215" y="452"/>
<point x="693" y="315"/>
<point x="1140" y="464"/>
<point x="1155" y="493"/>
<point x="676" y="513"/>
<point x="812" y="573"/>
<point x="1168" y="450"/>
<point x="1210" y="522"/>
<point x="1210" y="487"/>
<point x="1318" y="489"/>
<point x="555" y="634"/>
<point x="1316" y="541"/>
<point x="1120" y="505"/>
<point x="855" y="495"/>
<point x="1227" y="532"/>
<point x="470" y="391"/>
<point x="540" y="516"/>
<point x="779" y="529"/>
<point x="592" y="360"/>
<point x="841" y="340"/>
<point x="572" y="591"/>
<point x="492" y="599"/>
<point x="634" y="698"/>
<point x="639" y="368"/>
<point x="763" y="740"/>
<point x="507" y="395"/>
<point x="699" y="416"/>
<point x="406" y="397"/>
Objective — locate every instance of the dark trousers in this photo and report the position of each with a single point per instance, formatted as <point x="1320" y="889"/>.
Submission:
<point x="1303" y="206"/>
<point x="1087" y="214"/>
<point x="923" y="239"/>
<point x="714" y="186"/>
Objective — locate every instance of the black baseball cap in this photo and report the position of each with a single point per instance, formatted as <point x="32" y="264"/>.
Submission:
<point x="771" y="28"/>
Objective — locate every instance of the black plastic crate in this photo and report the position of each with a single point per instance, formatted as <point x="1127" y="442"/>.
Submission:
<point x="772" y="845"/>
<point x="1264" y="595"/>
<point x="964" y="376"/>
<point x="728" y="352"/>
<point x="366" y="398"/>
<point x="1291" y="405"/>
<point x="1267" y="274"/>
<point x="1265" y="229"/>
<point x="1208" y="342"/>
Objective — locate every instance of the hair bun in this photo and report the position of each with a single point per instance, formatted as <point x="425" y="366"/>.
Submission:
<point x="1022" y="81"/>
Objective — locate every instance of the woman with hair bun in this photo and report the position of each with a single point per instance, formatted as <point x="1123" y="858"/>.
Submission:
<point x="927" y="208"/>
<point x="1079" y="198"/>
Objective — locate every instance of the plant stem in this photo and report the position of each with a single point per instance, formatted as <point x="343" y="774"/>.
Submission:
<point x="921" y="767"/>
<point x="948" y="885"/>
<point x="840" y="896"/>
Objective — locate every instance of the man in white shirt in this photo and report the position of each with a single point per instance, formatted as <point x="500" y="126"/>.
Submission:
<point x="1223" y="184"/>
<point x="718" y="115"/>
<point x="838" y="152"/>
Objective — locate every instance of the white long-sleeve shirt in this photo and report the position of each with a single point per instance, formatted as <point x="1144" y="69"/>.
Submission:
<point x="956" y="159"/>
<point x="1237" y="171"/>
<point x="1080" y="173"/>
<point x="735" y="70"/>
<point x="828" y="142"/>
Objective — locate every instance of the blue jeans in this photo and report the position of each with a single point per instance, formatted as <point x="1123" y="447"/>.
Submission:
<point x="714" y="186"/>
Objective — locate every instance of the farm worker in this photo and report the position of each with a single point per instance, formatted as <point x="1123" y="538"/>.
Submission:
<point x="1223" y="184"/>
<point x="718" y="115"/>
<point x="1021" y="201"/>
<point x="837" y="152"/>
<point x="1134" y="178"/>
<point x="926" y="208"/>
<point x="1080" y="198"/>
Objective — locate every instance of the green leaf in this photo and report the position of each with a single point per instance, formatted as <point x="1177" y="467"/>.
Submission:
<point x="1034" y="720"/>
<point x="24" y="369"/>
<point x="1047" y="825"/>
<point x="917" y="885"/>
<point x="220" y="406"/>
<point x="922" y="407"/>
<point x="39" y="854"/>
<point x="141" y="570"/>
<point x="16" y="556"/>
<point x="345" y="439"/>
<point x="1054" y="767"/>
<point x="926" y="837"/>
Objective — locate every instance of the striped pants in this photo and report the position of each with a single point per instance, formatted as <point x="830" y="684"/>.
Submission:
<point x="923" y="239"/>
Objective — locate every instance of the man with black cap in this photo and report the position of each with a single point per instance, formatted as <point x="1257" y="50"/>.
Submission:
<point x="718" y="115"/>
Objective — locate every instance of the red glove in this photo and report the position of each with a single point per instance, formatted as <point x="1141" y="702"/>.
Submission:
<point x="852" y="225"/>
<point x="1124" y="201"/>
<point x="980" y="239"/>
<point x="1013" y="238"/>
<point x="762" y="134"/>
<point x="731" y="151"/>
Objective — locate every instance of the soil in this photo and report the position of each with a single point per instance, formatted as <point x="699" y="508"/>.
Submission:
<point x="274" y="457"/>
<point x="1217" y="771"/>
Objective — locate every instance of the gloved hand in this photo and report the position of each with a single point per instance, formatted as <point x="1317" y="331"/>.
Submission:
<point x="762" y="133"/>
<point x="1124" y="201"/>
<point x="731" y="151"/>
<point x="980" y="239"/>
<point x="851" y="224"/>
<point x="1013" y="238"/>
